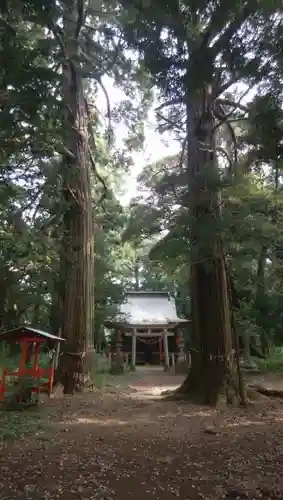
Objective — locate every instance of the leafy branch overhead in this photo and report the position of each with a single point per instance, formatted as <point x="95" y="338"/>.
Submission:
<point x="78" y="80"/>
<point x="188" y="46"/>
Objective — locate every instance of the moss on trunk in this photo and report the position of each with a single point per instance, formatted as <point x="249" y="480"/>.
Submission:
<point x="74" y="370"/>
<point x="214" y="368"/>
<point x="77" y="255"/>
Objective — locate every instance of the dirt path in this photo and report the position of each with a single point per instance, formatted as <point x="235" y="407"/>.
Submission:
<point x="132" y="445"/>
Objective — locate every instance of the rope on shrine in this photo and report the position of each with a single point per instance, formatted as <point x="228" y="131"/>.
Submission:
<point x="215" y="356"/>
<point x="149" y="341"/>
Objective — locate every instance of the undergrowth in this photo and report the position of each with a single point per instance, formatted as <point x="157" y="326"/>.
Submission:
<point x="272" y="364"/>
<point x="17" y="425"/>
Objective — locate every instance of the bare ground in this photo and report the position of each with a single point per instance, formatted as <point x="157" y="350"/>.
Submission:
<point x="126" y="443"/>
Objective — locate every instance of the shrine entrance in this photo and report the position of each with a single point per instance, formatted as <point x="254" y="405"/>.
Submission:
<point x="147" y="330"/>
<point x="149" y="350"/>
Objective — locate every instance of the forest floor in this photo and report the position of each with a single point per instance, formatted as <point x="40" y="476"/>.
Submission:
<point x="125" y="442"/>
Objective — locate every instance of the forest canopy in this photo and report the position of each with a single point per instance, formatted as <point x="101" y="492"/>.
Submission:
<point x="205" y="223"/>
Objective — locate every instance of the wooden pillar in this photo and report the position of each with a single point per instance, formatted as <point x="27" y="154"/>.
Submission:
<point x="173" y="362"/>
<point x="118" y="345"/>
<point x="160" y="349"/>
<point x="166" y="352"/>
<point x="134" y="350"/>
<point x="57" y="351"/>
<point x="36" y="356"/>
<point x="23" y="360"/>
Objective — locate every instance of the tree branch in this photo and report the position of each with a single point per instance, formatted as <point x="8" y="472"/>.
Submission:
<point x="174" y="102"/>
<point x="108" y="108"/>
<point x="92" y="161"/>
<point x="80" y="18"/>
<point x="228" y="102"/>
<point x="170" y="122"/>
<point x="225" y="153"/>
<point x="222" y="117"/>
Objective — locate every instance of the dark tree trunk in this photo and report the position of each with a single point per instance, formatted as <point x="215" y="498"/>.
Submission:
<point x="6" y="283"/>
<point x="36" y="315"/>
<point x="55" y="316"/>
<point x="261" y="301"/>
<point x="3" y="293"/>
<point x="77" y="258"/>
<point x="9" y="316"/>
<point x="214" y="367"/>
<point x="137" y="274"/>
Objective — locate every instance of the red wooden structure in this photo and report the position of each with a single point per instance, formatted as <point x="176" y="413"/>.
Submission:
<point x="30" y="341"/>
<point x="161" y="352"/>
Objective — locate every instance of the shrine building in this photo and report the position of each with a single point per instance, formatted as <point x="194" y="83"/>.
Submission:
<point x="148" y="329"/>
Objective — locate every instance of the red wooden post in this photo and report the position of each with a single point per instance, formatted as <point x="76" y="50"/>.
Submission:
<point x="51" y="378"/>
<point x="2" y="385"/>
<point x="36" y="355"/>
<point x="160" y="349"/>
<point x="22" y="365"/>
<point x="36" y="372"/>
<point x="177" y="338"/>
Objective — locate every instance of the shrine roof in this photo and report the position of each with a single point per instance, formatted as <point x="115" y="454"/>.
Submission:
<point x="141" y="308"/>
<point x="26" y="331"/>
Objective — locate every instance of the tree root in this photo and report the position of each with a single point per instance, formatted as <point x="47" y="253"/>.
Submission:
<point x="182" y="395"/>
<point x="254" y="393"/>
<point x="176" y="396"/>
<point x="271" y="393"/>
<point x="189" y="395"/>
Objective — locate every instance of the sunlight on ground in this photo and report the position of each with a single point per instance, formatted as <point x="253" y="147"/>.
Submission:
<point x="247" y="423"/>
<point x="146" y="392"/>
<point x="200" y="413"/>
<point x="145" y="418"/>
<point x="98" y="421"/>
<point x="95" y="421"/>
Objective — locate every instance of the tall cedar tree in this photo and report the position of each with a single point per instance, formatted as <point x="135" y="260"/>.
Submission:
<point x="77" y="257"/>
<point x="195" y="50"/>
<point x="64" y="22"/>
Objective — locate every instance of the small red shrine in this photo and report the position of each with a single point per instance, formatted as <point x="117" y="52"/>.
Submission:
<point x="30" y="340"/>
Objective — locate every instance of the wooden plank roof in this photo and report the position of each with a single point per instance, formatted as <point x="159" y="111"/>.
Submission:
<point x="24" y="330"/>
<point x="141" y="308"/>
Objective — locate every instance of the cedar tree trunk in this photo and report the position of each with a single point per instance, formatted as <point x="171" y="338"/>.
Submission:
<point x="77" y="258"/>
<point x="214" y="368"/>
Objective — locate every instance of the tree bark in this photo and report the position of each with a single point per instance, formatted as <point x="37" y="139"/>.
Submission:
<point x="137" y="274"/>
<point x="213" y="358"/>
<point x="3" y="298"/>
<point x="261" y="300"/>
<point x="77" y="256"/>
